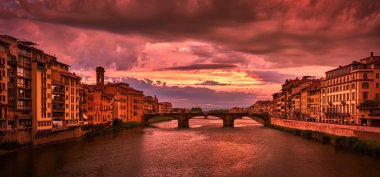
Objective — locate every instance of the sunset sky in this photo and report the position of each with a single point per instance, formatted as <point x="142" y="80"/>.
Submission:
<point x="207" y="53"/>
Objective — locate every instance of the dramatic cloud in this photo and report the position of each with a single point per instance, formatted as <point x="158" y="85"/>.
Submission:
<point x="210" y="82"/>
<point x="182" y="44"/>
<point x="290" y="33"/>
<point x="80" y="49"/>
<point x="201" y="66"/>
<point x="271" y="76"/>
<point x="192" y="96"/>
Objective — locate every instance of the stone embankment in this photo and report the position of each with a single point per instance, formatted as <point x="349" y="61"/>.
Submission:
<point x="334" y="129"/>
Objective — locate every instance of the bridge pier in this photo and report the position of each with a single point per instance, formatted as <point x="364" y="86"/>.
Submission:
<point x="183" y="121"/>
<point x="228" y="121"/>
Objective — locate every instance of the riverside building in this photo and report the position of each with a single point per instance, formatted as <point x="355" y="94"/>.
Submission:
<point x="37" y="92"/>
<point x="165" y="107"/>
<point x="113" y="101"/>
<point x="151" y="104"/>
<point x="350" y="93"/>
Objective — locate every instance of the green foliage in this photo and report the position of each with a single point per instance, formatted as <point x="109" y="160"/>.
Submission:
<point x="160" y="119"/>
<point x="196" y="110"/>
<point x="10" y="145"/>
<point x="218" y="111"/>
<point x="370" y="147"/>
<point x="116" y="127"/>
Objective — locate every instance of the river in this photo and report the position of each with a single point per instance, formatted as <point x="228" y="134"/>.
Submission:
<point x="205" y="149"/>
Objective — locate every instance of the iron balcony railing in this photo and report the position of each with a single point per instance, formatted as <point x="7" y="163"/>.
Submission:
<point x="336" y="114"/>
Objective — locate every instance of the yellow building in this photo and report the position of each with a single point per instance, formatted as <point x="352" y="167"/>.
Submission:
<point x="67" y="96"/>
<point x="37" y="91"/>
<point x="314" y="102"/>
<point x="345" y="88"/>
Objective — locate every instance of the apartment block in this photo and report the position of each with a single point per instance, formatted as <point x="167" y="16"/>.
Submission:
<point x="37" y="92"/>
<point x="151" y="104"/>
<point x="291" y="93"/>
<point x="165" y="107"/>
<point x="261" y="107"/>
<point x="278" y="105"/>
<point x="347" y="90"/>
<point x="313" y="108"/>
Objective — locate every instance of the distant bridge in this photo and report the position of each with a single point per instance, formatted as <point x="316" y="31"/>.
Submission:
<point x="228" y="118"/>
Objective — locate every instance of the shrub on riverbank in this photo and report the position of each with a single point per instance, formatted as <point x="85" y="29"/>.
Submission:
<point x="11" y="145"/>
<point x="160" y="119"/>
<point x="116" y="127"/>
<point x="370" y="147"/>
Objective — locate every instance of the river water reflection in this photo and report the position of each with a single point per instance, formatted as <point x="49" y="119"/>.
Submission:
<point x="206" y="149"/>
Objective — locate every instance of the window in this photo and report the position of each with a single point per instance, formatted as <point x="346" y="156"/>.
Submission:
<point x="365" y="76"/>
<point x="365" y="85"/>
<point x="377" y="97"/>
<point x="353" y="96"/>
<point x="365" y="95"/>
<point x="20" y="71"/>
<point x="2" y="48"/>
<point x="27" y="73"/>
<point x="377" y="85"/>
<point x="20" y="82"/>
<point x="20" y="104"/>
<point x="377" y="75"/>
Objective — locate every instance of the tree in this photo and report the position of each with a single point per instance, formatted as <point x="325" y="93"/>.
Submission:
<point x="196" y="110"/>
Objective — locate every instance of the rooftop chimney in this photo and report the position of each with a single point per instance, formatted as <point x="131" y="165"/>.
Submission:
<point x="371" y="54"/>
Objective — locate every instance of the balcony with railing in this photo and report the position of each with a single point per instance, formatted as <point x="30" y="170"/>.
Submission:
<point x="58" y="82"/>
<point x="12" y="60"/>
<point x="20" y="107"/>
<point x="24" y="126"/>
<point x="370" y="104"/>
<point x="337" y="114"/>
<point x="24" y="53"/>
<point x="58" y="99"/>
<point x="57" y="116"/>
<point x="57" y="90"/>
<point x="24" y="97"/>
<point x="57" y="108"/>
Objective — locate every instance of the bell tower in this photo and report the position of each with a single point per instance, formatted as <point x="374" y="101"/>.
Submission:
<point x="100" y="76"/>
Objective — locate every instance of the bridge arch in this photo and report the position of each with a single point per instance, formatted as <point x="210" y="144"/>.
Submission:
<point x="148" y="117"/>
<point x="208" y="119"/>
<point x="228" y="118"/>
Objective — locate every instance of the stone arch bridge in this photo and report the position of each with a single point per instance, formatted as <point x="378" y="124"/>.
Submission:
<point x="228" y="118"/>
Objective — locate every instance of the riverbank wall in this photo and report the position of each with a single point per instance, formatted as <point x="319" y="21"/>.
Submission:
<point x="70" y="133"/>
<point x="23" y="137"/>
<point x="370" y="133"/>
